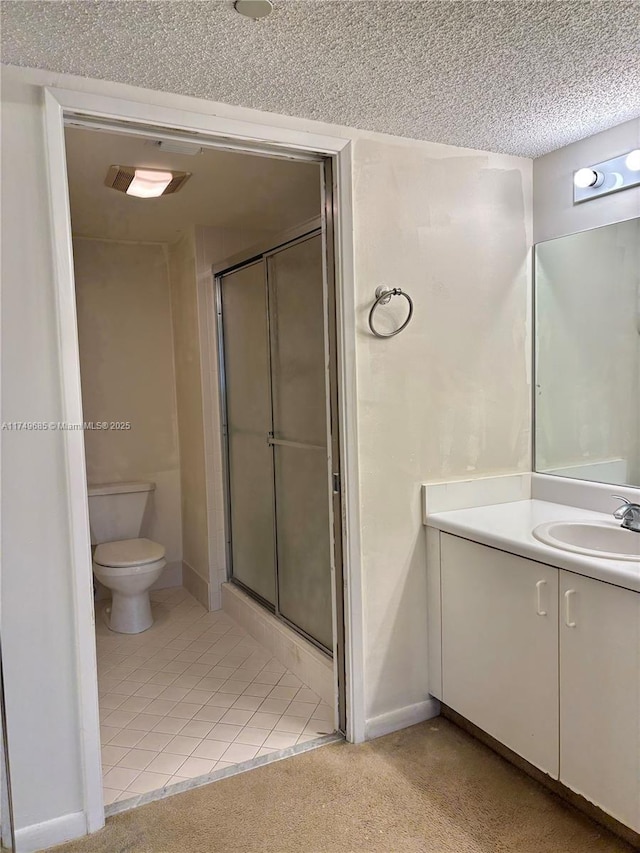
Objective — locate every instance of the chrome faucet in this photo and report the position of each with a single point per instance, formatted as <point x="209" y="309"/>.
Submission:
<point x="628" y="514"/>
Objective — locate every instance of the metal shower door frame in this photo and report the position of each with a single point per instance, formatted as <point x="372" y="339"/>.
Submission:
<point x="224" y="419"/>
<point x="335" y="526"/>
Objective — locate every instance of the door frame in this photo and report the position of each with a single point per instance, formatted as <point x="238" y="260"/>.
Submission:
<point x="61" y="106"/>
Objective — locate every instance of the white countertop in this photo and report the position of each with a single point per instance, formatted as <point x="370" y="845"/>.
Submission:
<point x="509" y="526"/>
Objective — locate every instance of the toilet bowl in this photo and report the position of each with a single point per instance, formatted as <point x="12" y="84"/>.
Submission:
<point x="129" y="567"/>
<point x="123" y="562"/>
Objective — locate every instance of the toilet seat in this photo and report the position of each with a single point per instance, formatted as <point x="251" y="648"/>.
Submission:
<point x="128" y="553"/>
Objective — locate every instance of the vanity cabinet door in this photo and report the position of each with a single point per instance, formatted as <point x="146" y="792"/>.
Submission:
<point x="500" y="647"/>
<point x="600" y="694"/>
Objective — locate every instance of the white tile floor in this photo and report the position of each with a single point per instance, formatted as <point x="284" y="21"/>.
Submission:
<point x="193" y="694"/>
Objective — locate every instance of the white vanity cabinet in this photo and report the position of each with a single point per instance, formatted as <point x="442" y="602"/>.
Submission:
<point x="545" y="660"/>
<point x="500" y="646"/>
<point x="600" y="694"/>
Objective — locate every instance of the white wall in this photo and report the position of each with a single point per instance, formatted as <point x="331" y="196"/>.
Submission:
<point x="37" y="604"/>
<point x="554" y="212"/>
<point x="195" y="533"/>
<point x="126" y="362"/>
<point x="447" y="398"/>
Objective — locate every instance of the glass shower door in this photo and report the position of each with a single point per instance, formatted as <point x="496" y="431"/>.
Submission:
<point x="248" y="423"/>
<point x="299" y="376"/>
<point x="279" y="485"/>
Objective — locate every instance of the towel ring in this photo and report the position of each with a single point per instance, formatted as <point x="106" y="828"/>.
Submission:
<point x="383" y="297"/>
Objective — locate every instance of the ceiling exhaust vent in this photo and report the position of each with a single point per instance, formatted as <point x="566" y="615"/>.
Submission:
<point x="175" y="146"/>
<point x="145" y="183"/>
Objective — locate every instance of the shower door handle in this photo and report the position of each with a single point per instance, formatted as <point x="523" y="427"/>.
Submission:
<point x="280" y="442"/>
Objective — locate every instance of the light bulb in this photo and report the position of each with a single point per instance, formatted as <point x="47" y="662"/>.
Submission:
<point x="633" y="160"/>
<point x="584" y="178"/>
<point x="149" y="183"/>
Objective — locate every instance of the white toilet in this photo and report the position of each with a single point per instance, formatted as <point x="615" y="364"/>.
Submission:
<point x="125" y="564"/>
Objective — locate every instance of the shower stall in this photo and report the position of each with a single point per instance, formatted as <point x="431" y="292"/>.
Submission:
<point x="277" y="372"/>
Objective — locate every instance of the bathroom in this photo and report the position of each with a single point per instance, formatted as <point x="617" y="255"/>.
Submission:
<point x="451" y="221"/>
<point x="184" y="695"/>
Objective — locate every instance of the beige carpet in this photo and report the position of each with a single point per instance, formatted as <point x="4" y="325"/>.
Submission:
<point x="428" y="789"/>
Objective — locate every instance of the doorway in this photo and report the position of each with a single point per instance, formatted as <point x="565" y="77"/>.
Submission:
<point x="282" y="263"/>
<point x="231" y="129"/>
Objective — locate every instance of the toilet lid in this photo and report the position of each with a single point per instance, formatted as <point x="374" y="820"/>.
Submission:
<point x="128" y="552"/>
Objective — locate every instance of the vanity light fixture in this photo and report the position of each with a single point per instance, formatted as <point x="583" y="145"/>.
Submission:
<point x="633" y="160"/>
<point x="145" y="183"/>
<point x="584" y="178"/>
<point x="619" y="173"/>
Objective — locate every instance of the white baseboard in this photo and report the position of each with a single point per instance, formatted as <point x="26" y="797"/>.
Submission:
<point x="302" y="658"/>
<point x="40" y="836"/>
<point x="401" y="718"/>
<point x="194" y="584"/>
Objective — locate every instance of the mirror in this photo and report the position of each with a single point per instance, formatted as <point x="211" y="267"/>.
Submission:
<point x="587" y="355"/>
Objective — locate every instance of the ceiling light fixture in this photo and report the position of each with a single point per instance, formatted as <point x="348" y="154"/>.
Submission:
<point x="145" y="183"/>
<point x="253" y="8"/>
<point x="149" y="183"/>
<point x="609" y="176"/>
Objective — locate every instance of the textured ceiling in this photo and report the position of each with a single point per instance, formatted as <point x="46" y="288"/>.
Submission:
<point x="226" y="190"/>
<point x="521" y="77"/>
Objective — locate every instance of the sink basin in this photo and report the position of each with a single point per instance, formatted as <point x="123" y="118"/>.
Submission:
<point x="594" y="539"/>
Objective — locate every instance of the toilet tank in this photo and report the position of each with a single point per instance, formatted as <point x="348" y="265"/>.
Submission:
<point x="116" y="510"/>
